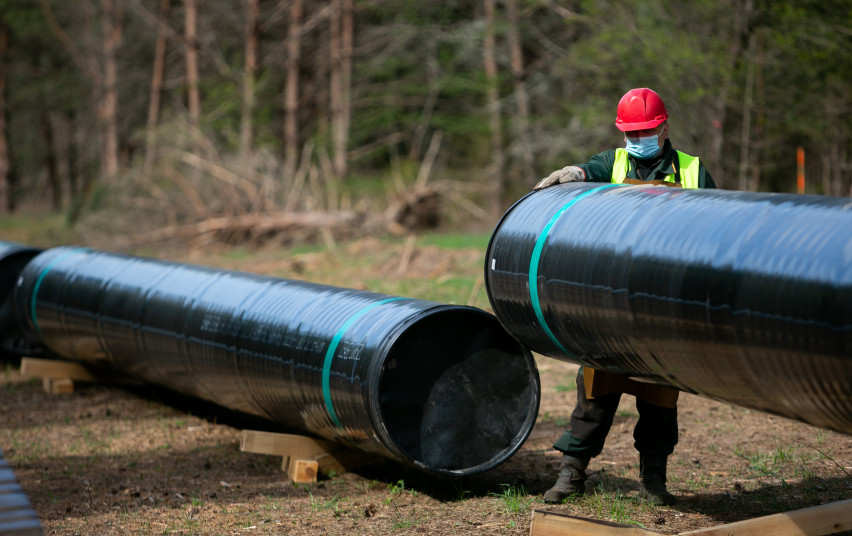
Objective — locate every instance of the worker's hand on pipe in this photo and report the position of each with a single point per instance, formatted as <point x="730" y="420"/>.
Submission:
<point x="561" y="176"/>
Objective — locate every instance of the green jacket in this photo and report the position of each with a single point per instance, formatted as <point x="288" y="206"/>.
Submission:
<point x="599" y="168"/>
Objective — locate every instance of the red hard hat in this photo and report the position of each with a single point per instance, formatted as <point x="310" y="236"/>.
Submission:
<point x="639" y="109"/>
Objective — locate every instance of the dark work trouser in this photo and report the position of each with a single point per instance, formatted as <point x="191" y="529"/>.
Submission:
<point x="655" y="433"/>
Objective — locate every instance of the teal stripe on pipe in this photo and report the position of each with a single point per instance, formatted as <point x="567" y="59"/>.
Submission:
<point x="329" y="356"/>
<point x="536" y="259"/>
<point x="41" y="277"/>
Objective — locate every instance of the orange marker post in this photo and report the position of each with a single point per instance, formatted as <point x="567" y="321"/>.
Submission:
<point x="800" y="170"/>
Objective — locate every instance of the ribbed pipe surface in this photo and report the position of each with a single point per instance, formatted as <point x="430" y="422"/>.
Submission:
<point x="741" y="297"/>
<point x="440" y="387"/>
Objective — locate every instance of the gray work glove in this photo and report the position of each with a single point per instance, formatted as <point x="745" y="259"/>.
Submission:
<point x="561" y="176"/>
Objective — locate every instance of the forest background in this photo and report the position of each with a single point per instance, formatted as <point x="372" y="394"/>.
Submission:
<point x="135" y="116"/>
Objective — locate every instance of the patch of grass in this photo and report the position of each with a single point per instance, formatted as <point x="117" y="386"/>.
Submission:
<point x="26" y="451"/>
<point x="569" y="386"/>
<point x="332" y="505"/>
<point x="773" y="462"/>
<point x="404" y="523"/>
<point x="515" y="499"/>
<point x="460" y="492"/>
<point x="758" y="462"/>
<point x="396" y="490"/>
<point x="454" y="289"/>
<point x="616" y="506"/>
<point x="37" y="229"/>
<point x="477" y="241"/>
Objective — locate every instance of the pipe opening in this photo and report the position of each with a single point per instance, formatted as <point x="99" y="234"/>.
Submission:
<point x="458" y="395"/>
<point x="13" y="258"/>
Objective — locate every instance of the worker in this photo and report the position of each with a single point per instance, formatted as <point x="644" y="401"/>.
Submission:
<point x="648" y="157"/>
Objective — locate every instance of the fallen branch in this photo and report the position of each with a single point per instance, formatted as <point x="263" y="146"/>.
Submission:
<point x="254" y="226"/>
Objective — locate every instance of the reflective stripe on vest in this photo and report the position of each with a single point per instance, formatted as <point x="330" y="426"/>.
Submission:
<point x="688" y="168"/>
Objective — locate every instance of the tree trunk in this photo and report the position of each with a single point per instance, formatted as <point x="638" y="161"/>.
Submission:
<point x="291" y="92"/>
<point x="54" y="184"/>
<point x="521" y="99"/>
<point x="252" y="38"/>
<point x="156" y="86"/>
<point x="5" y="158"/>
<point x="109" y="102"/>
<point x="745" y="131"/>
<point x="741" y="14"/>
<point x="345" y="89"/>
<point x="340" y="27"/>
<point x="496" y="171"/>
<point x="72" y="152"/>
<point x="190" y="35"/>
<point x="759" y="133"/>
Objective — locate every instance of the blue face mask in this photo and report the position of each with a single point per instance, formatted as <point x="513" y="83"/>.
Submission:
<point x="644" y="147"/>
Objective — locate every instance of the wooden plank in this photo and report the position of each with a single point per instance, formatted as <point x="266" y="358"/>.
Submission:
<point x="32" y="367"/>
<point x="553" y="524"/>
<point x="295" y="446"/>
<point x="814" y="521"/>
<point x="303" y="458"/>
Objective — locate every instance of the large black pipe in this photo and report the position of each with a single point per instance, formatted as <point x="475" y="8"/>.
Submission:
<point x="440" y="387"/>
<point x="13" y="258"/>
<point x="741" y="297"/>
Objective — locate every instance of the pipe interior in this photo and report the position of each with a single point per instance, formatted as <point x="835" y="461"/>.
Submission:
<point x="12" y="263"/>
<point x="457" y="393"/>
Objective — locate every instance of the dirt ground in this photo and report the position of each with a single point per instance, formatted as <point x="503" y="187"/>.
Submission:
<point x="111" y="460"/>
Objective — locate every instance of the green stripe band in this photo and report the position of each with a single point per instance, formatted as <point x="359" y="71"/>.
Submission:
<point x="38" y="282"/>
<point x="329" y="356"/>
<point x="536" y="259"/>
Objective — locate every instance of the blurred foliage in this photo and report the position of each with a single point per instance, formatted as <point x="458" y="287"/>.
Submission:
<point x="746" y="83"/>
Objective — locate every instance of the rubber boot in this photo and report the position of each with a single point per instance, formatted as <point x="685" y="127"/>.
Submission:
<point x="652" y="476"/>
<point x="571" y="481"/>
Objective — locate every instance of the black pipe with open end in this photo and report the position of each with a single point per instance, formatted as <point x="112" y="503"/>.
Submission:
<point x="13" y="258"/>
<point x="441" y="387"/>
<point x="742" y="297"/>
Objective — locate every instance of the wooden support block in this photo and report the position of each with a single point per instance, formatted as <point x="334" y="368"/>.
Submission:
<point x="552" y="524"/>
<point x="301" y="470"/>
<point x="58" y="377"/>
<point x="296" y="446"/>
<point x="305" y="457"/>
<point x="814" y="521"/>
<point x="32" y="367"/>
<point x="58" y="386"/>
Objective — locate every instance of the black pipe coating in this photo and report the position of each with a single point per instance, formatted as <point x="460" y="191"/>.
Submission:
<point x="742" y="297"/>
<point x="13" y="258"/>
<point x="440" y="387"/>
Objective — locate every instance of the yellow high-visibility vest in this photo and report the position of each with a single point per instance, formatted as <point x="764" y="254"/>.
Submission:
<point x="688" y="168"/>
